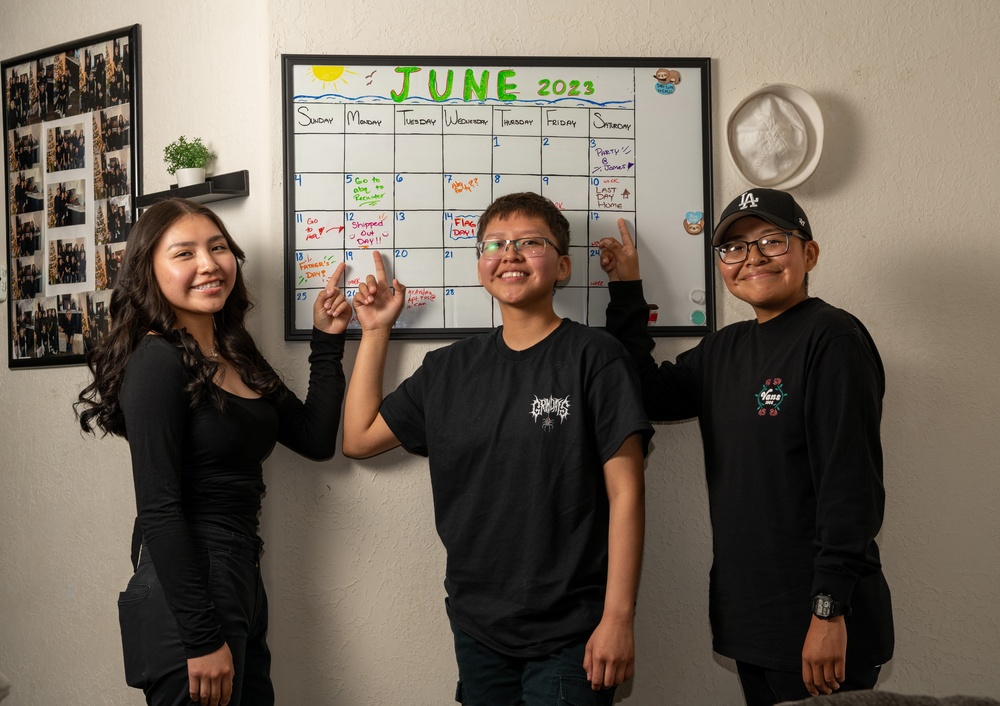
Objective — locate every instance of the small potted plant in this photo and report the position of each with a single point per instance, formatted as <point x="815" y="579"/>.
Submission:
<point x="187" y="159"/>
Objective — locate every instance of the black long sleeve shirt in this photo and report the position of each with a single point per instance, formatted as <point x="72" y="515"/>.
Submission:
<point x="790" y="411"/>
<point x="202" y="465"/>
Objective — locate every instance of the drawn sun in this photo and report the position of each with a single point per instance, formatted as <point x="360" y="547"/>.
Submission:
<point x="331" y="75"/>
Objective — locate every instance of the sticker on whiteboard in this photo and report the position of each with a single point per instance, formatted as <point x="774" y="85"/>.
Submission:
<point x="694" y="222"/>
<point x="666" y="80"/>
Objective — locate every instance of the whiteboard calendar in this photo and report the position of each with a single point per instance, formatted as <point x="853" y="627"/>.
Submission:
<point x="403" y="154"/>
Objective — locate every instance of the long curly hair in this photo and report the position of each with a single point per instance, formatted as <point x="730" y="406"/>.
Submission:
<point x="139" y="308"/>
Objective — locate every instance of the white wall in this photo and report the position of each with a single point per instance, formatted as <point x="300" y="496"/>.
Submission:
<point x="904" y="205"/>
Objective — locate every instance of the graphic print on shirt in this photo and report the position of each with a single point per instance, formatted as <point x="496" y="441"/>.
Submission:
<point x="770" y="397"/>
<point x="549" y="407"/>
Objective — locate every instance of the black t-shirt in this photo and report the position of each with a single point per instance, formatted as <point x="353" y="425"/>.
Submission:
<point x="516" y="442"/>
<point x="202" y="465"/>
<point x="790" y="413"/>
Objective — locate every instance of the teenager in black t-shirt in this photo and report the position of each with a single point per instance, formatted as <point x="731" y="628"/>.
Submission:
<point x="535" y="436"/>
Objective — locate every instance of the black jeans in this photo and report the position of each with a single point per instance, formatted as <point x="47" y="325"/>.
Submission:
<point x="765" y="687"/>
<point x="154" y="655"/>
<point x="489" y="678"/>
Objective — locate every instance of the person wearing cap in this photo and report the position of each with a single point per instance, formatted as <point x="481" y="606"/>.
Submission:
<point x="790" y="405"/>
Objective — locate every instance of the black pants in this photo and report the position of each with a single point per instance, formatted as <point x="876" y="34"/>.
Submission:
<point x="489" y="678"/>
<point x="766" y="687"/>
<point x="154" y="655"/>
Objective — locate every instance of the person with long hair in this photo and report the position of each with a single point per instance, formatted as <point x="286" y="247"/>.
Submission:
<point x="180" y="377"/>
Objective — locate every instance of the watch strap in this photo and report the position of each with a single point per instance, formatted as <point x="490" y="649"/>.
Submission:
<point x="825" y="607"/>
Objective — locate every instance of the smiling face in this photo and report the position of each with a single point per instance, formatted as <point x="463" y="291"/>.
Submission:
<point x="518" y="281"/>
<point x="770" y="285"/>
<point x="194" y="268"/>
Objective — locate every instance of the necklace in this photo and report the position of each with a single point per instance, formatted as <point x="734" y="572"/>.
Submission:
<point x="212" y="352"/>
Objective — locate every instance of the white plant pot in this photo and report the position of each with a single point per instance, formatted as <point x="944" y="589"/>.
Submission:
<point x="189" y="176"/>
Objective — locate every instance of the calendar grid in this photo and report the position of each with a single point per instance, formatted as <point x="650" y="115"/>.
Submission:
<point x="408" y="174"/>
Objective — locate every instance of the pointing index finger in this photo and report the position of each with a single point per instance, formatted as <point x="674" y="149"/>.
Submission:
<point x="337" y="274"/>
<point x="379" y="266"/>
<point x="625" y="234"/>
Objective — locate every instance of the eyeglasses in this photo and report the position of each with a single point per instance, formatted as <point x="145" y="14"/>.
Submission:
<point x="528" y="247"/>
<point x="770" y="245"/>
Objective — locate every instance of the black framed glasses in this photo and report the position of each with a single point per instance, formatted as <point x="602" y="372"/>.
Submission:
<point x="770" y="245"/>
<point x="528" y="247"/>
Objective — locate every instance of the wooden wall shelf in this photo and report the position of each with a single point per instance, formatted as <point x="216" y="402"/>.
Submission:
<point x="215" y="188"/>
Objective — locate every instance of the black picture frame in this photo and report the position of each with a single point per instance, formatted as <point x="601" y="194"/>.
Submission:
<point x="353" y="80"/>
<point x="73" y="166"/>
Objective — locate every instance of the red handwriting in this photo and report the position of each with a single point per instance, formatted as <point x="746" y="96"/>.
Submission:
<point x="463" y="228"/>
<point x="419" y="297"/>
<point x="315" y="233"/>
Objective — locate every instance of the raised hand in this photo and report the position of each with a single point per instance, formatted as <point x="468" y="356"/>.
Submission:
<point x="377" y="304"/>
<point x="331" y="311"/>
<point x="620" y="260"/>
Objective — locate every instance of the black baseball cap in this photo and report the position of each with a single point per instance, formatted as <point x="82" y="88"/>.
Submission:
<point x="777" y="207"/>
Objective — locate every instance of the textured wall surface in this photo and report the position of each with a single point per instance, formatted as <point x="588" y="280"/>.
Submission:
<point x="904" y="204"/>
